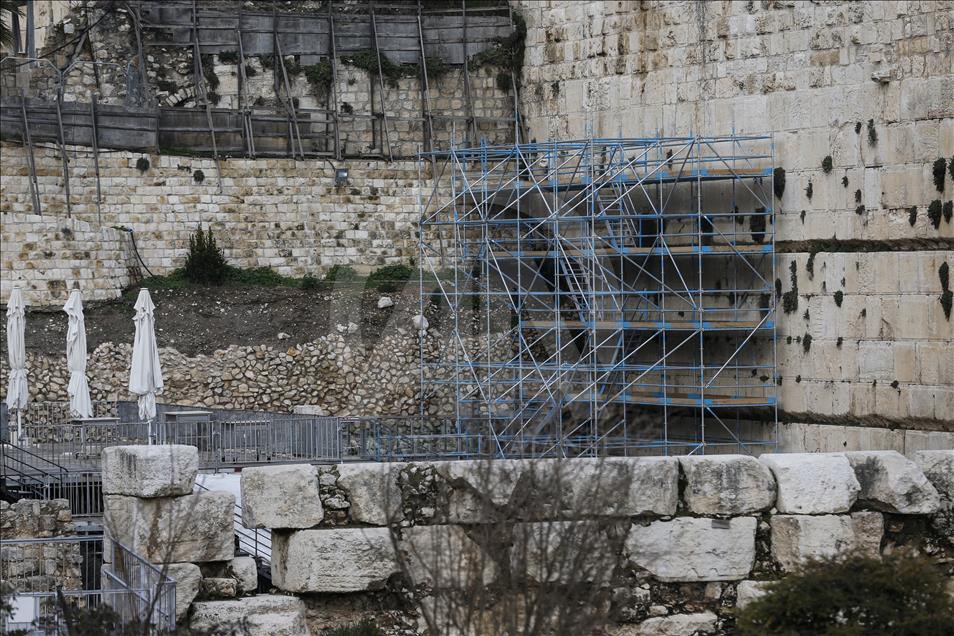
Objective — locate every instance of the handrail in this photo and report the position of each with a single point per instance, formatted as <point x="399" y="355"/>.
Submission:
<point x="58" y="476"/>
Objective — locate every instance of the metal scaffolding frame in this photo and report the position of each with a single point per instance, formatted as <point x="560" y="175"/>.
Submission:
<point x="605" y="296"/>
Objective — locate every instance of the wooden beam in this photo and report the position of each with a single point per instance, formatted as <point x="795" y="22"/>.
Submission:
<point x="471" y="128"/>
<point x="334" y="79"/>
<point x="200" y="85"/>
<point x="66" y="163"/>
<point x="377" y="52"/>
<point x="28" y="144"/>
<point x="95" y="139"/>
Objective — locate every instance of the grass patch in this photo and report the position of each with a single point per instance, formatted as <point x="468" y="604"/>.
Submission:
<point x="389" y="278"/>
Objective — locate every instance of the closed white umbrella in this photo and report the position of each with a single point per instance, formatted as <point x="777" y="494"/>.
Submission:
<point x="78" y="389"/>
<point x="145" y="375"/>
<point x="17" y="392"/>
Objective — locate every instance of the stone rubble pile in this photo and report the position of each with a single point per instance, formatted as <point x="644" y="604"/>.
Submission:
<point x="334" y="373"/>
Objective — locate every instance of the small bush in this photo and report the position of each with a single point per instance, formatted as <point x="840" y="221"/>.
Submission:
<point x="900" y="595"/>
<point x="913" y="215"/>
<point x="872" y="133"/>
<point x="205" y="263"/>
<point x="229" y="57"/>
<point x="935" y="212"/>
<point x="319" y="75"/>
<point x="809" y="191"/>
<point x="940" y="165"/>
<point x="948" y="211"/>
<point x="857" y="196"/>
<point x="142" y="164"/>
<point x="827" y="164"/>
<point x="389" y="278"/>
<point x="844" y="181"/>
<point x="198" y="176"/>
<point x="778" y="182"/>
<point x="341" y="274"/>
<point x="310" y="282"/>
<point x="257" y="276"/>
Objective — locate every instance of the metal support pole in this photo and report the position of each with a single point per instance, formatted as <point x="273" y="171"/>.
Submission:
<point x="334" y="80"/>
<point x="200" y="87"/>
<point x="377" y="52"/>
<point x="471" y="127"/>
<point x="95" y="140"/>
<point x="59" y="138"/>
<point x="28" y="144"/>
<point x="425" y="90"/>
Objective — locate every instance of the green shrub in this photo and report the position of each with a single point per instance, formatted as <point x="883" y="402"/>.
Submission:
<point x="341" y="274"/>
<point x="310" y="282"/>
<point x="389" y="278"/>
<point x="938" y="170"/>
<point x="827" y="164"/>
<point x="257" y="276"/>
<point x="205" y="263"/>
<point x="319" y="75"/>
<point x="364" y="628"/>
<point x="900" y="595"/>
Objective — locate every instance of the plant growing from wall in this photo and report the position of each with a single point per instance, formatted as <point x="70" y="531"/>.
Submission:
<point x="198" y="176"/>
<point x="912" y="215"/>
<point x="860" y="210"/>
<point x="229" y="57"/>
<point x="367" y="60"/>
<point x="872" y="133"/>
<point x="950" y="167"/>
<point x="807" y="342"/>
<point x="507" y="53"/>
<point x="809" y="191"/>
<point x="938" y="170"/>
<point x="839" y="297"/>
<point x="319" y="75"/>
<point x="948" y="211"/>
<point x="844" y="181"/>
<point x="857" y="196"/>
<point x="757" y="225"/>
<point x="857" y="127"/>
<point x="947" y="296"/>
<point x="142" y="164"/>
<point x="205" y="263"/>
<point x="778" y="182"/>
<point x="935" y="212"/>
<point x="826" y="164"/>
<point x="899" y="594"/>
<point x="790" y="298"/>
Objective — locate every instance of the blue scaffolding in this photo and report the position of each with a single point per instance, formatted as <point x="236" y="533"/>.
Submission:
<point x="605" y="296"/>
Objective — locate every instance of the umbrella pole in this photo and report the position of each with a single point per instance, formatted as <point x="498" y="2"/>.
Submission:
<point x="19" y="425"/>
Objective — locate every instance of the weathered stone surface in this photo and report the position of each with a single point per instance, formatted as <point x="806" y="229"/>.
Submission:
<point x="264" y="615"/>
<point x="690" y="549"/>
<point x="892" y="483"/>
<point x="150" y="471"/>
<point x="567" y="551"/>
<point x="749" y="591"/>
<point x="332" y="560"/>
<point x="189" y="529"/>
<point x="281" y="497"/>
<point x="868" y="528"/>
<point x="812" y="483"/>
<point x="798" y="538"/>
<point x="938" y="467"/>
<point x="726" y="484"/>
<point x="245" y="572"/>
<point x="372" y="491"/>
<point x="675" y="625"/>
<point x="479" y="486"/>
<point x="187" y="577"/>
<point x="443" y="557"/>
<point x="219" y="588"/>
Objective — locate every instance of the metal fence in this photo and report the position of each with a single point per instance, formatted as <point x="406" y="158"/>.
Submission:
<point x="49" y="580"/>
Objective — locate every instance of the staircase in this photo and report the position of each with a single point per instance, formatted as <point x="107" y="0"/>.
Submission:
<point x="26" y="475"/>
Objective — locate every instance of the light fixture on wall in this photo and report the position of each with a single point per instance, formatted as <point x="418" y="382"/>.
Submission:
<point x="341" y="177"/>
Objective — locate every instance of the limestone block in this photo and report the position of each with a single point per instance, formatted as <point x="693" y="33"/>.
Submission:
<point x="372" y="491"/>
<point x="812" y="483"/>
<point x="868" y="527"/>
<point x="478" y="487"/>
<point x="216" y="587"/>
<point x="567" y="551"/>
<point x="281" y="497"/>
<point x="675" y="625"/>
<point x="150" y="471"/>
<point x="691" y="549"/>
<point x="443" y="557"/>
<point x="892" y="483"/>
<point x="749" y="591"/>
<point x="187" y="577"/>
<point x="799" y="538"/>
<point x="190" y="529"/>
<point x="245" y="571"/>
<point x="726" y="484"/>
<point x="332" y="560"/>
<point x="264" y="615"/>
<point x="938" y="467"/>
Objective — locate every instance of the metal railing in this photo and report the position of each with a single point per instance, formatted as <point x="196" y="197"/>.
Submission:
<point x="50" y="579"/>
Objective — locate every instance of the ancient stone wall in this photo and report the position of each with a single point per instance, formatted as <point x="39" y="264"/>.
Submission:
<point x="277" y="213"/>
<point x="865" y="244"/>
<point x="692" y="538"/>
<point x="46" y="256"/>
<point x="39" y="566"/>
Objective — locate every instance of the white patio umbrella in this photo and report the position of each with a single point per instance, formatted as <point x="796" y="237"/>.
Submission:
<point x="17" y="392"/>
<point x="78" y="389"/>
<point x="145" y="374"/>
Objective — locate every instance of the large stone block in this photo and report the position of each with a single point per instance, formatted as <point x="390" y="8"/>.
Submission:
<point x="264" y="615"/>
<point x="443" y="557"/>
<point x="281" y="497"/>
<point x="726" y="484"/>
<point x="478" y="487"/>
<point x="332" y="560"/>
<point x="690" y="549"/>
<point x="892" y="483"/>
<point x="187" y="576"/>
<point x="245" y="571"/>
<point x="373" y="491"/>
<point x="799" y="538"/>
<point x="150" y="471"/>
<point x="812" y="483"/>
<point x="567" y="551"/>
<point x="938" y="467"/>
<point x="190" y="529"/>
